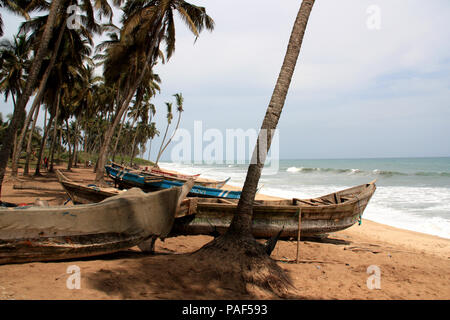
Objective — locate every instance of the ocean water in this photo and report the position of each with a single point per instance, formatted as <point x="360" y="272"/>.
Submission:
<point x="412" y="193"/>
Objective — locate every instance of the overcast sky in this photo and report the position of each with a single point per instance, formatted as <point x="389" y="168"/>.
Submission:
<point x="356" y="92"/>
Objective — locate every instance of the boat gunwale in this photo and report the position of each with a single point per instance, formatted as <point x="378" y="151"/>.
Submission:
<point x="370" y="189"/>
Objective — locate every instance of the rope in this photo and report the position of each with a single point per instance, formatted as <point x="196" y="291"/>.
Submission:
<point x="359" y="209"/>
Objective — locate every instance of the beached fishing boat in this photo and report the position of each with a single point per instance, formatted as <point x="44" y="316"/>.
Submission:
<point x="84" y="194"/>
<point x="127" y="179"/>
<point x="319" y="216"/>
<point x="58" y="232"/>
<point x="172" y="176"/>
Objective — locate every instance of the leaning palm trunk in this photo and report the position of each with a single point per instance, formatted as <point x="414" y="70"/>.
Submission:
<point x="19" y="111"/>
<point x="150" y="149"/>
<point x="168" y="142"/>
<point x="37" y="99"/>
<point x="75" y="147"/>
<point x="133" y="150"/>
<point x="242" y="221"/>
<point x="103" y="153"/>
<point x="69" y="138"/>
<point x="134" y="137"/>
<point x="247" y="259"/>
<point x="118" y="137"/>
<point x="100" y="166"/>
<point x="30" y="139"/>
<point x="52" y="148"/>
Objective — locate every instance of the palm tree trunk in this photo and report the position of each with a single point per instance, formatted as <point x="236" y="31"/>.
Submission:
<point x="69" y="164"/>
<point x="52" y="148"/>
<point x="132" y="144"/>
<point x="19" y="111"/>
<point x="60" y="143"/>
<point x="118" y="136"/>
<point x="162" y="143"/>
<point x="37" y="99"/>
<point x="242" y="220"/>
<point x="37" y="171"/>
<point x="30" y="139"/>
<point x="75" y="146"/>
<point x="14" y="165"/>
<point x="150" y="149"/>
<point x="168" y="142"/>
<point x="133" y="150"/>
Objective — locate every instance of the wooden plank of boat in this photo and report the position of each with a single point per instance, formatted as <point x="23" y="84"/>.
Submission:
<point x="59" y="232"/>
<point x="270" y="216"/>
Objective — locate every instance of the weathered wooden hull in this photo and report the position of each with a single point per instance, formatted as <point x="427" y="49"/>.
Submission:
<point x="269" y="217"/>
<point x="330" y="213"/>
<point x="54" y="233"/>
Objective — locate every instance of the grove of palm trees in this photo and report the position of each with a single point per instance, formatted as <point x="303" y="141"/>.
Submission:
<point x="98" y="104"/>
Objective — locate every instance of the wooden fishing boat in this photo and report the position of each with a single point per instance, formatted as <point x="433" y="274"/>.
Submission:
<point x="126" y="179"/>
<point x="171" y="176"/>
<point x="320" y="216"/>
<point x="85" y="194"/>
<point x="330" y="213"/>
<point x="52" y="233"/>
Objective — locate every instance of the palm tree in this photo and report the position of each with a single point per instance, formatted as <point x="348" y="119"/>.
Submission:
<point x="19" y="111"/>
<point x="145" y="25"/>
<point x="29" y="141"/>
<point x="21" y="7"/>
<point x="14" y="56"/>
<point x="169" y="121"/>
<point x="179" y="101"/>
<point x="15" y="62"/>
<point x="153" y="132"/>
<point x="37" y="27"/>
<point x="237" y="244"/>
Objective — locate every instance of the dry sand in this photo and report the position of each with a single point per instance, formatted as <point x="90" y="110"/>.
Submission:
<point x="412" y="265"/>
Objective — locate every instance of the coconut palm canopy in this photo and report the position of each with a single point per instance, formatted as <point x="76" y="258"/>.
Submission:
<point x="96" y="98"/>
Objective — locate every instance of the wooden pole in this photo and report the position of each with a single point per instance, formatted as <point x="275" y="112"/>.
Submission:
<point x="299" y="233"/>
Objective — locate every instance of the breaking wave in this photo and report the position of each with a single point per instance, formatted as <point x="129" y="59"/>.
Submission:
<point x="385" y="173"/>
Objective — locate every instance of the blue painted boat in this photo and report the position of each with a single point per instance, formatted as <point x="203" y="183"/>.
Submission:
<point x="129" y="179"/>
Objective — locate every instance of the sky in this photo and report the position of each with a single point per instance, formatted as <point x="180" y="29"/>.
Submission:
<point x="357" y="91"/>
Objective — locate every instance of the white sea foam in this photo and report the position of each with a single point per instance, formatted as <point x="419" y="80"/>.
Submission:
<point x="421" y="209"/>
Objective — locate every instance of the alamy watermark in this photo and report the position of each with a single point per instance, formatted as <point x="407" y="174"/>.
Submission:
<point x="74" y="280"/>
<point x="236" y="146"/>
<point x="373" y="21"/>
<point x="74" y="18"/>
<point x="374" y="280"/>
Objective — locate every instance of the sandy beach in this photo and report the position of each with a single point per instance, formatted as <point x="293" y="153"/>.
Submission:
<point x="412" y="265"/>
